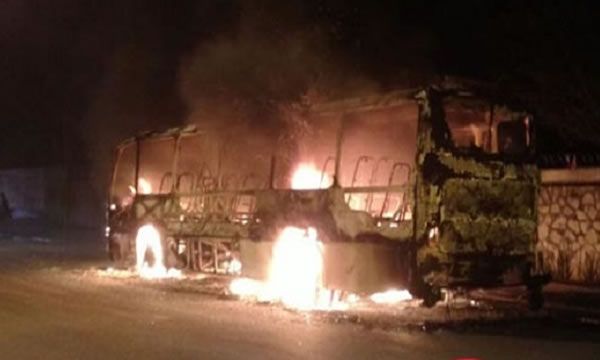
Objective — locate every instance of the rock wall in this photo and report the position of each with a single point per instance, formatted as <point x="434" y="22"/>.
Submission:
<point x="569" y="227"/>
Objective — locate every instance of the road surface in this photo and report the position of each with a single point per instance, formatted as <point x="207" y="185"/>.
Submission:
<point x="55" y="304"/>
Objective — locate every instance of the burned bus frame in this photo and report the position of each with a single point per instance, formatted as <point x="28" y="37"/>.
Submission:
<point x="467" y="218"/>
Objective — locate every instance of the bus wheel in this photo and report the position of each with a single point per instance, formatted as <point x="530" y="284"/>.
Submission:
<point x="431" y="295"/>
<point x="114" y="250"/>
<point x="535" y="297"/>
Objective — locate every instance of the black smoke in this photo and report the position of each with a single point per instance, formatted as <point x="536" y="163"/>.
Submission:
<point x="77" y="77"/>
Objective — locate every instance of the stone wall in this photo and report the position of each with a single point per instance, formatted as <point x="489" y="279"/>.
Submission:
<point x="569" y="225"/>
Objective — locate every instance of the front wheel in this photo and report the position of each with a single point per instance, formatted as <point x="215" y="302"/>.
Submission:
<point x="431" y="296"/>
<point x="114" y="251"/>
<point x="429" y="293"/>
<point x="535" y="297"/>
<point x="119" y="246"/>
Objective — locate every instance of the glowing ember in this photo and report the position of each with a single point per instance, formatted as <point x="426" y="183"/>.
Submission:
<point x="148" y="239"/>
<point x="115" y="273"/>
<point x="353" y="298"/>
<point x="246" y="287"/>
<point x="308" y="177"/>
<point x="391" y="296"/>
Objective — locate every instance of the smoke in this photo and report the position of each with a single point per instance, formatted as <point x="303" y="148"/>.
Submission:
<point x="243" y="77"/>
<point x="247" y="86"/>
<point x="273" y="58"/>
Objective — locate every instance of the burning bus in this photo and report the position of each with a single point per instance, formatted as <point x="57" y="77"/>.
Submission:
<point x="419" y="190"/>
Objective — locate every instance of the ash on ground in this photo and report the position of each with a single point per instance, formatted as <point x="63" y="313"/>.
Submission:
<point x="459" y="311"/>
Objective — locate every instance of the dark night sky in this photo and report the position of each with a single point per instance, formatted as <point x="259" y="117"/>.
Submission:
<point x="81" y="74"/>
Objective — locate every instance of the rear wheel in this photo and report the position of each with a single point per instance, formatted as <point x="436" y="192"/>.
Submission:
<point x="535" y="296"/>
<point x="114" y="251"/>
<point x="535" y="284"/>
<point x="420" y="288"/>
<point x="117" y="247"/>
<point x="171" y="255"/>
<point x="431" y="295"/>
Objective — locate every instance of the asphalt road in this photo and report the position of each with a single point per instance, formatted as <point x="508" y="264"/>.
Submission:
<point x="54" y="305"/>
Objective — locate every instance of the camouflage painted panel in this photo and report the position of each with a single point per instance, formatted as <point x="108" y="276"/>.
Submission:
<point x="477" y="197"/>
<point x="487" y="235"/>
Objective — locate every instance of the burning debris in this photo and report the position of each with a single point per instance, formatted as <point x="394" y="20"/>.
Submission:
<point x="296" y="277"/>
<point x="391" y="296"/>
<point x="295" y="274"/>
<point x="148" y="244"/>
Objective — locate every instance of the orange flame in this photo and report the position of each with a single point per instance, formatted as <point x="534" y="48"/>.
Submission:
<point x="308" y="177"/>
<point x="148" y="239"/>
<point x="296" y="268"/>
<point x="391" y="296"/>
<point x="144" y="187"/>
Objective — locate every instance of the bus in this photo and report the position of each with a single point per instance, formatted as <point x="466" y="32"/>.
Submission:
<point x="424" y="190"/>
